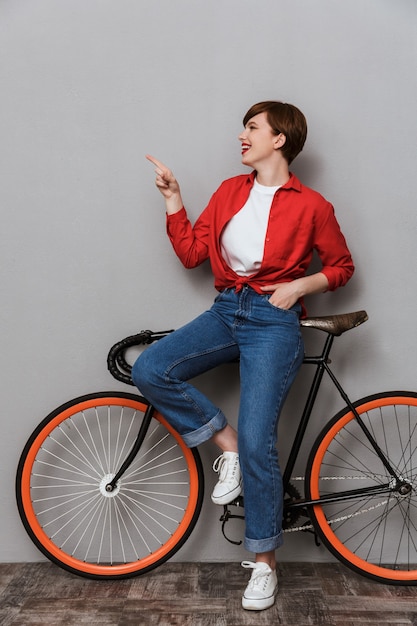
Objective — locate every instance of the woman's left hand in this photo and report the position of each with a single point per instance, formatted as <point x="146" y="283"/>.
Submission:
<point x="284" y="295"/>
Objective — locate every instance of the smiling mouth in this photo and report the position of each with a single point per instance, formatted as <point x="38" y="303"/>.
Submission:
<point x="245" y="148"/>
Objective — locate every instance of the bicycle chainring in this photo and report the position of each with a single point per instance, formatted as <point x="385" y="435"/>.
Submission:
<point x="291" y="516"/>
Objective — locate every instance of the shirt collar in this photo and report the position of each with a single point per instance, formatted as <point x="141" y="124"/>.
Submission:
<point x="292" y="183"/>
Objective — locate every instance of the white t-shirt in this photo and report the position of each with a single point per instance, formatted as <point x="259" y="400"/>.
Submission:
<point x="243" y="238"/>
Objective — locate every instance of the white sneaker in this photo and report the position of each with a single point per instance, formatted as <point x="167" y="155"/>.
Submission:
<point x="230" y="481"/>
<point x="262" y="587"/>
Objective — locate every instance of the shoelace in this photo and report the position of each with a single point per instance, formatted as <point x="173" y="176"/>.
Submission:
<point x="221" y="465"/>
<point x="257" y="574"/>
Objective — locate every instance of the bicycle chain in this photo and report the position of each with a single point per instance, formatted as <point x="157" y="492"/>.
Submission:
<point x="337" y="519"/>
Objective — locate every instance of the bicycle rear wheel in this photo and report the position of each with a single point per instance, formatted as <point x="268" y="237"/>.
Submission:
<point x="375" y="535"/>
<point x="64" y="469"/>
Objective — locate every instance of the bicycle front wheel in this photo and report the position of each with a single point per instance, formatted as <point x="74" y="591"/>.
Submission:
<point x="61" y="488"/>
<point x="375" y="535"/>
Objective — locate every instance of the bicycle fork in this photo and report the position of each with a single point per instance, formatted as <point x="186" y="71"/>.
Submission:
<point x="134" y="450"/>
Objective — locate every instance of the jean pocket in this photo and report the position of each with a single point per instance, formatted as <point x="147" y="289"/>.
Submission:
<point x="222" y="294"/>
<point x="295" y="310"/>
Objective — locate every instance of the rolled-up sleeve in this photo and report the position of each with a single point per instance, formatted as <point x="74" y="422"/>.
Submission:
<point x="190" y="244"/>
<point x="337" y="264"/>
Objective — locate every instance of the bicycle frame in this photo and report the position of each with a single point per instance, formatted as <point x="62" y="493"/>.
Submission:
<point x="322" y="365"/>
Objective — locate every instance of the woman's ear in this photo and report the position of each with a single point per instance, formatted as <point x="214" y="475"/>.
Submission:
<point x="279" y="141"/>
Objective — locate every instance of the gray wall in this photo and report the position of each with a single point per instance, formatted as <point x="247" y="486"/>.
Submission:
<point x="87" y="88"/>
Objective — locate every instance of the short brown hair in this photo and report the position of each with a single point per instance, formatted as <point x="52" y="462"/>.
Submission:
<point x="286" y="119"/>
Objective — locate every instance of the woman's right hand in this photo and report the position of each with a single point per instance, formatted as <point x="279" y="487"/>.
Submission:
<point x="167" y="185"/>
<point x="165" y="179"/>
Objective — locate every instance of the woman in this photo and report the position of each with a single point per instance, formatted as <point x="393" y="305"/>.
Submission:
<point x="259" y="232"/>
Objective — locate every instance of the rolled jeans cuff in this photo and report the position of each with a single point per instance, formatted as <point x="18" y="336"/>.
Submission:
<point x="206" y="432"/>
<point x="264" y="545"/>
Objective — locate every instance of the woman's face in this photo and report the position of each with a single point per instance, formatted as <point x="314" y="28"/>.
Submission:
<point x="259" y="143"/>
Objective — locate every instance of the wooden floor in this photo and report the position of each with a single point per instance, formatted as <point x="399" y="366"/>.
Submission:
<point x="195" y="594"/>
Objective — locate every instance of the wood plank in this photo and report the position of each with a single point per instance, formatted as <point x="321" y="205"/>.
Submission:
<point x="200" y="594"/>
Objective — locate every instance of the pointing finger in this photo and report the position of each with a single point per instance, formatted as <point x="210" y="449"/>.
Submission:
<point x="157" y="163"/>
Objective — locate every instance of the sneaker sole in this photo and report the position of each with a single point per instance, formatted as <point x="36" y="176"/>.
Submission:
<point x="228" y="497"/>
<point x="258" y="605"/>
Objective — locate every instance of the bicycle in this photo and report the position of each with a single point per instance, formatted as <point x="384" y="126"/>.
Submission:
<point x="106" y="488"/>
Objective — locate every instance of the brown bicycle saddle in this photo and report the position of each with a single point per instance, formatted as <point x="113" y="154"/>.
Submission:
<point x="336" y="324"/>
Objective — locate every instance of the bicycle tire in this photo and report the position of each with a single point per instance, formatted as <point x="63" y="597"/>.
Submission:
<point x="375" y="535"/>
<point x="60" y="488"/>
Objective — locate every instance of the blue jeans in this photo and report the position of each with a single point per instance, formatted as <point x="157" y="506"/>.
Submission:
<point x="268" y="343"/>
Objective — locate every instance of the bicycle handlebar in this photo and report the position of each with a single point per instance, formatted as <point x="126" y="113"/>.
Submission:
<point x="117" y="365"/>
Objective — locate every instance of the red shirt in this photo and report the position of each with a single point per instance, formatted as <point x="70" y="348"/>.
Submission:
<point x="300" y="221"/>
